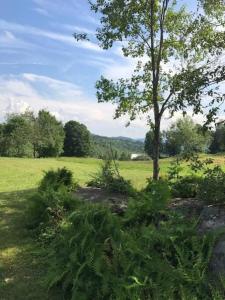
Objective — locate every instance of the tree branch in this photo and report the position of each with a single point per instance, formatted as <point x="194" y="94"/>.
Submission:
<point x="163" y="108"/>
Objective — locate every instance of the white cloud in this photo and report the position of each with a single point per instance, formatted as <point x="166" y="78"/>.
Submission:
<point x="75" y="28"/>
<point x="42" y="11"/>
<point x="59" y="37"/>
<point x="78" y="9"/>
<point x="9" y="40"/>
<point x="66" y="101"/>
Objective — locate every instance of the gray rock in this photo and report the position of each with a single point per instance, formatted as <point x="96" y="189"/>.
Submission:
<point x="189" y="207"/>
<point x="217" y="263"/>
<point x="212" y="218"/>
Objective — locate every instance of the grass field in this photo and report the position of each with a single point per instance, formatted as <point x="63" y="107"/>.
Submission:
<point x="21" y="267"/>
<point x="21" y="173"/>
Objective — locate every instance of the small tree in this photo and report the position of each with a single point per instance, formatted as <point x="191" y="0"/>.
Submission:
<point x="178" y="58"/>
<point x="77" y="139"/>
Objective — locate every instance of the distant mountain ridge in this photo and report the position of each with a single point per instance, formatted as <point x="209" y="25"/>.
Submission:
<point x="122" y="146"/>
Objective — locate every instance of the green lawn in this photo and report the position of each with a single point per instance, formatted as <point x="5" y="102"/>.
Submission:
<point x="21" y="173"/>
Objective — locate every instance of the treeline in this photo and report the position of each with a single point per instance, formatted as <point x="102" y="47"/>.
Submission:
<point x="185" y="136"/>
<point x="42" y="135"/>
<point x="27" y="135"/>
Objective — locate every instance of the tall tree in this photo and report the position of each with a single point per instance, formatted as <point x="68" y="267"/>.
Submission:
<point x="218" y="138"/>
<point x="15" y="140"/>
<point x="77" y="139"/>
<point x="178" y="56"/>
<point x="1" y="139"/>
<point x="49" y="135"/>
<point x="185" y="136"/>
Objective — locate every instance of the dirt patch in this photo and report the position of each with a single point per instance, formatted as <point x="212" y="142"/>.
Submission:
<point x="117" y="202"/>
<point x="189" y="207"/>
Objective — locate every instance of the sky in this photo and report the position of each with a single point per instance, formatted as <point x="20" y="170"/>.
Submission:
<point x="43" y="67"/>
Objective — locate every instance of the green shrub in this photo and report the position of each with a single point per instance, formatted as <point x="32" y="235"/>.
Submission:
<point x="84" y="256"/>
<point x="148" y="253"/>
<point x="56" y="179"/>
<point x="96" y="253"/>
<point x="110" y="179"/>
<point x="185" y="187"/>
<point x="150" y="205"/>
<point x="47" y="208"/>
<point x="212" y="187"/>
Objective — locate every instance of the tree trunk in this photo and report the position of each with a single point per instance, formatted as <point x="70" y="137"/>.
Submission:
<point x="156" y="150"/>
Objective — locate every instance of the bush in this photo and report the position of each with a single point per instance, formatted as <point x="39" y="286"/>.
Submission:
<point x="56" y="179"/>
<point x="150" y="205"/>
<point x="84" y="253"/>
<point x="47" y="208"/>
<point x="185" y="187"/>
<point x="109" y="179"/>
<point x="212" y="187"/>
<point x="48" y="205"/>
<point x="96" y="253"/>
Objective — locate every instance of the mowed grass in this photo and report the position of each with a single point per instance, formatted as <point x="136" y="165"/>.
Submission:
<point x="21" y="173"/>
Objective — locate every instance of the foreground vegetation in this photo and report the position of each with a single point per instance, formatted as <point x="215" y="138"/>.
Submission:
<point x="51" y="242"/>
<point x="145" y="251"/>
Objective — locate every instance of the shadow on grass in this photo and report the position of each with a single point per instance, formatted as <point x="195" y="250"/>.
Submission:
<point x="22" y="268"/>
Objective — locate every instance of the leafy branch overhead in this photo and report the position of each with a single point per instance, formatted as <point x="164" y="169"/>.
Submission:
<point x="179" y="57"/>
<point x="180" y="50"/>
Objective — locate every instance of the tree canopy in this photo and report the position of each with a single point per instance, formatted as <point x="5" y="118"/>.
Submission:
<point x="26" y="135"/>
<point x="185" y="136"/>
<point x="50" y="135"/>
<point x="178" y="58"/>
<point x="77" y="139"/>
<point x="218" y="139"/>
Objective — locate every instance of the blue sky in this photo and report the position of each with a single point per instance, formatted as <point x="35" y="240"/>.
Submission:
<point x="41" y="65"/>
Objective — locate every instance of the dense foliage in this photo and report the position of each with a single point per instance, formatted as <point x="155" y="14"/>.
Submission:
<point x="48" y="205"/>
<point x="50" y="133"/>
<point x="218" y="139"/>
<point x="27" y="135"/>
<point x="183" y="136"/>
<point x="15" y="136"/>
<point x="77" y="139"/>
<point x="148" y="253"/>
<point x="24" y="135"/>
<point x="212" y="187"/>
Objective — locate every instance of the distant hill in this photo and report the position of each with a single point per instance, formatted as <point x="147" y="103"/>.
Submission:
<point x="123" y="147"/>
